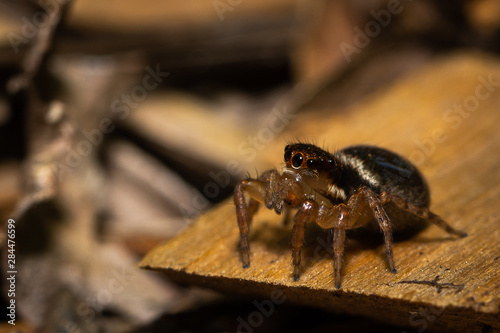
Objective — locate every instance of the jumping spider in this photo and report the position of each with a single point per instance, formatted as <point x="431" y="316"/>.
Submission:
<point x="352" y="188"/>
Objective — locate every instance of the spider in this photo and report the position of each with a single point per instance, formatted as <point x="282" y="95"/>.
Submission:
<point x="352" y="188"/>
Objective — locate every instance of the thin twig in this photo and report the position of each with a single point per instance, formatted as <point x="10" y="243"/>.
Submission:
<point x="434" y="283"/>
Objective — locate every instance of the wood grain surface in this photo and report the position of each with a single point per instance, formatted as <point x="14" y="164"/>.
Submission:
<point x="442" y="282"/>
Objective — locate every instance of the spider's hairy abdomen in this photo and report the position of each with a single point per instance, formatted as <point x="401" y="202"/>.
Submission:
<point x="382" y="171"/>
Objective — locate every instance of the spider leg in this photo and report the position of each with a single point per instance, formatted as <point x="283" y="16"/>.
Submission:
<point x="261" y="191"/>
<point x="244" y="213"/>
<point x="383" y="221"/>
<point x="307" y="213"/>
<point x="244" y="221"/>
<point x="437" y="220"/>
<point x="336" y="217"/>
<point x="338" y="241"/>
<point x="270" y="178"/>
<point x="420" y="212"/>
<point x="253" y="207"/>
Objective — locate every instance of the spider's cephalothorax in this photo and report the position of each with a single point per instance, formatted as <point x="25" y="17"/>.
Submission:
<point x="354" y="187"/>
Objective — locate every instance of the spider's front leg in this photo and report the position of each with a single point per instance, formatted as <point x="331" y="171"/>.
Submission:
<point x="306" y="214"/>
<point x="336" y="217"/>
<point x="261" y="190"/>
<point x="339" y="228"/>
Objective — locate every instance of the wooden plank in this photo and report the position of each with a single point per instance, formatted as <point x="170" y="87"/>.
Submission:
<point x="458" y="154"/>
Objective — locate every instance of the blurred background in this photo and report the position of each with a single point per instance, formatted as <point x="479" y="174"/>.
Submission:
<point x="121" y="121"/>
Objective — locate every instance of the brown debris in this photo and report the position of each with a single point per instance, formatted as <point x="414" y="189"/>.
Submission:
<point x="434" y="283"/>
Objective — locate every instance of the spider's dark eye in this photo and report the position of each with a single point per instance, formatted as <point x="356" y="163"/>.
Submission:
<point x="288" y="155"/>
<point x="331" y="162"/>
<point x="297" y="160"/>
<point x="311" y="163"/>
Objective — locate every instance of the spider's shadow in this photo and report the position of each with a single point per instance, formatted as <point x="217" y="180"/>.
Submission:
<point x="275" y="237"/>
<point x="318" y="243"/>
